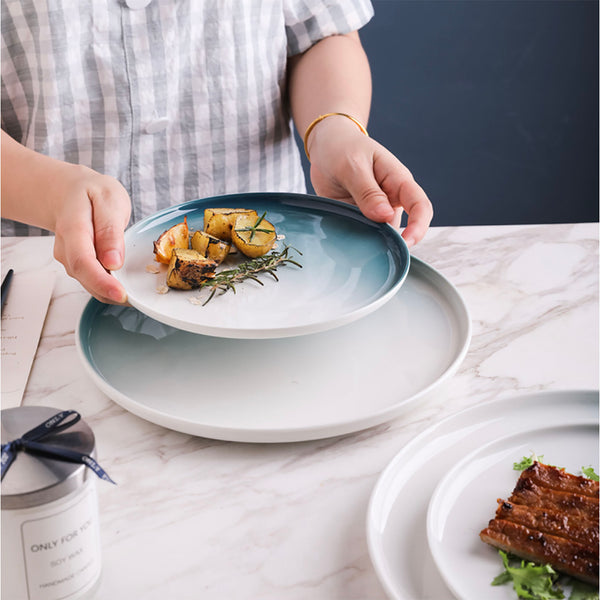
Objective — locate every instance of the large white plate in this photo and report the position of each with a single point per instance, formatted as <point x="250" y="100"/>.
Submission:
<point x="465" y="500"/>
<point x="396" y="518"/>
<point x="281" y="390"/>
<point x="350" y="267"/>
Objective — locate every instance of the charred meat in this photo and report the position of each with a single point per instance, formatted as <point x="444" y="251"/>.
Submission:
<point x="550" y="518"/>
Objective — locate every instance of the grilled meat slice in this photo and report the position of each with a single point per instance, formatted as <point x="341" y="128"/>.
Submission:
<point x="558" y="479"/>
<point x="552" y="521"/>
<point x="563" y="555"/>
<point x="528" y="493"/>
<point x="550" y="518"/>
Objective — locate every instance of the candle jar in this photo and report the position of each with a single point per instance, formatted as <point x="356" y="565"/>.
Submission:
<point x="50" y="529"/>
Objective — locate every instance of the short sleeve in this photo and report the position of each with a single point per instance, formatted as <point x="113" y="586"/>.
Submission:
<point x="308" y="21"/>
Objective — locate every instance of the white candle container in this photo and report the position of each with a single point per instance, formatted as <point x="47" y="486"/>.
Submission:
<point x="50" y="529"/>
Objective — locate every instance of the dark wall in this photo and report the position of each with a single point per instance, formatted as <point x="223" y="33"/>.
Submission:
<point x="492" y="104"/>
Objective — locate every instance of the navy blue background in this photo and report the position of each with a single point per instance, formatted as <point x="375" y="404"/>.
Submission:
<point x="492" y="104"/>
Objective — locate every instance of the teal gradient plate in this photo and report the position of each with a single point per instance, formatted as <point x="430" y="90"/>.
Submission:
<point x="284" y="389"/>
<point x="351" y="266"/>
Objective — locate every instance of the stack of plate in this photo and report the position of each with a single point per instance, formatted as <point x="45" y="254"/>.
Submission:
<point x="440" y="491"/>
<point x="352" y="339"/>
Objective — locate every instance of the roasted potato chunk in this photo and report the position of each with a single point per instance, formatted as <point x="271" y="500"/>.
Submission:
<point x="188" y="269"/>
<point x="253" y="236"/>
<point x="219" y="222"/>
<point x="177" y="236"/>
<point x="210" y="246"/>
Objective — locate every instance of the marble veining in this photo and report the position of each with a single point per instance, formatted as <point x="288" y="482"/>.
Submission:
<point x="196" y="518"/>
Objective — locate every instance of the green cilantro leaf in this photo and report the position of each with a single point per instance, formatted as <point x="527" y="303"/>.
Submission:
<point x="583" y="591"/>
<point x="530" y="581"/>
<point x="590" y="473"/>
<point x="526" y="462"/>
<point x="501" y="579"/>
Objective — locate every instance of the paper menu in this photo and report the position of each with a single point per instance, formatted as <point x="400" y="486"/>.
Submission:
<point x="23" y="319"/>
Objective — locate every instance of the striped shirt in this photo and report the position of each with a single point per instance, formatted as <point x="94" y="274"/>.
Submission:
<point x="177" y="99"/>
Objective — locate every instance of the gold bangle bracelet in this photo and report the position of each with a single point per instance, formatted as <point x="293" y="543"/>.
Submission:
<point x="320" y="118"/>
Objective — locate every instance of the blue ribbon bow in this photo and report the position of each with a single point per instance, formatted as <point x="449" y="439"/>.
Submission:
<point x="29" y="442"/>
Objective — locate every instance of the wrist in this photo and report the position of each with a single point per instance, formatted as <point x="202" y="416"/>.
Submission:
<point x="67" y="182"/>
<point x="330" y="125"/>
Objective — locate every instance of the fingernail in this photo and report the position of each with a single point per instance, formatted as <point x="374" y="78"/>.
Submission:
<point x="117" y="295"/>
<point x="112" y="260"/>
<point x="410" y="241"/>
<point x="383" y="212"/>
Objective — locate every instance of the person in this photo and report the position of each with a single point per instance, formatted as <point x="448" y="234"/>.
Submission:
<point x="114" y="109"/>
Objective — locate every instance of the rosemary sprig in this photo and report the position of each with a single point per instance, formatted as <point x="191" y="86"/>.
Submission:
<point x="250" y="269"/>
<point x="254" y="228"/>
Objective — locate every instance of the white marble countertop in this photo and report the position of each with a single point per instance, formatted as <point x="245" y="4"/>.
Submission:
<point x="198" y="518"/>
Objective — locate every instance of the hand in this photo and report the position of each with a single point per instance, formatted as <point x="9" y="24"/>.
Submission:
<point x="91" y="212"/>
<point x="347" y="165"/>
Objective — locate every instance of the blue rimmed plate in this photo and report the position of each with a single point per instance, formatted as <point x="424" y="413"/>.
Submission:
<point x="312" y="386"/>
<point x="351" y="266"/>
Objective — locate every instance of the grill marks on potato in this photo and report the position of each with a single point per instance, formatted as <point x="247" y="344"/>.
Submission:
<point x="174" y="237"/>
<point x="189" y="268"/>
<point x="219" y="222"/>
<point x="252" y="236"/>
<point x="210" y="246"/>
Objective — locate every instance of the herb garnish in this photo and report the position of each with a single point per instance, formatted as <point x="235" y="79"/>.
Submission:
<point x="227" y="280"/>
<point x="254" y="228"/>
<point x="583" y="591"/>
<point x="540" y="582"/>
<point x="530" y="580"/>
<point x="526" y="462"/>
<point x="590" y="473"/>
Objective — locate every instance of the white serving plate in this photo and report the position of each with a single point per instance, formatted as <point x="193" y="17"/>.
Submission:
<point x="287" y="389"/>
<point x="351" y="266"/>
<point x="397" y="513"/>
<point x="465" y="500"/>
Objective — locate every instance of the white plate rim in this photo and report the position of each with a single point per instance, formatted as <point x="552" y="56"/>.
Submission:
<point x="295" y="434"/>
<point x="420" y="443"/>
<point x="459" y="466"/>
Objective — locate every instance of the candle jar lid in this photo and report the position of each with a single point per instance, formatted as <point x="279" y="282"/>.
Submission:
<point x="32" y="479"/>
